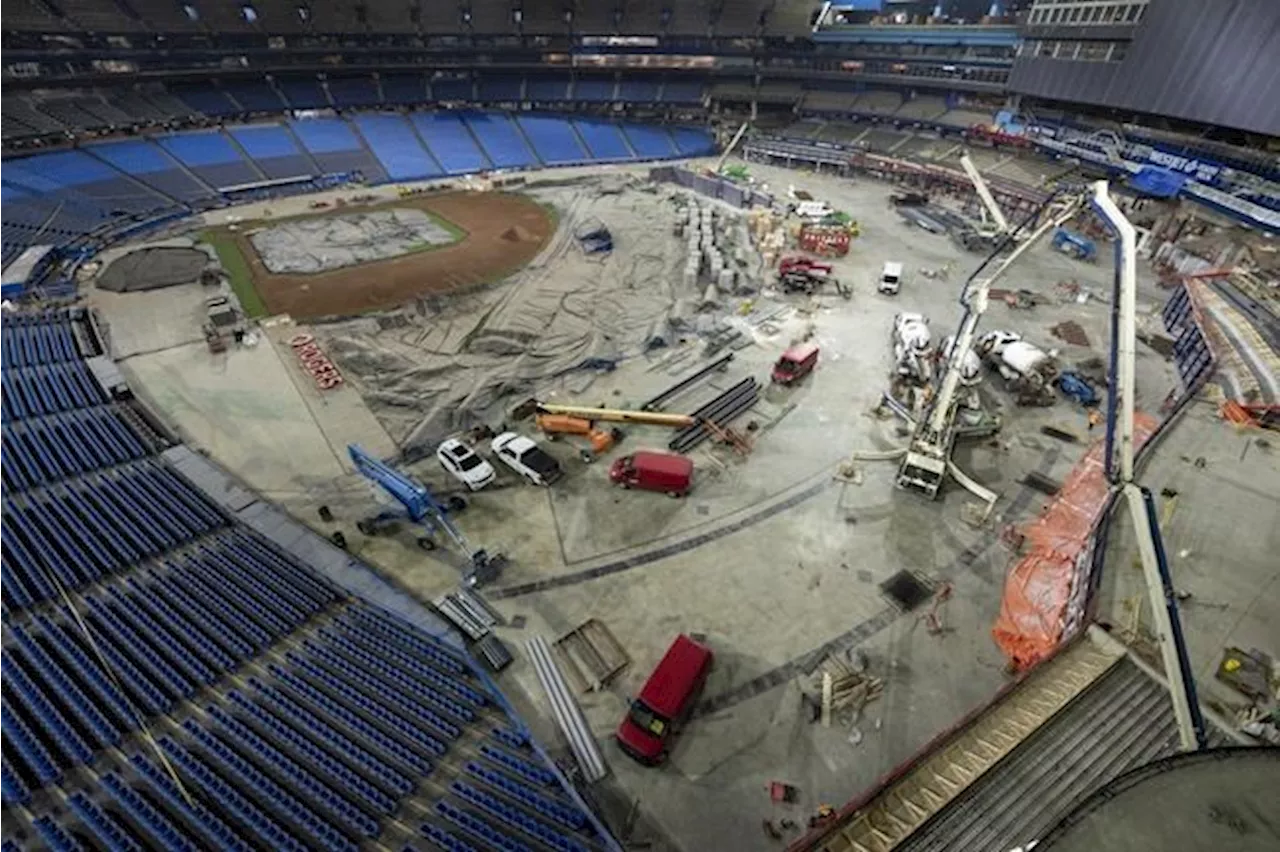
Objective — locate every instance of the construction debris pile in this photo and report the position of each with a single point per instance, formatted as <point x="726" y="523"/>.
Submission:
<point x="839" y="689"/>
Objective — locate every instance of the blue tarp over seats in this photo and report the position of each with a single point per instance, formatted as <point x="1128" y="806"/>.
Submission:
<point x="334" y="145"/>
<point x="303" y="93"/>
<point x="604" y="139"/>
<point x="451" y="142"/>
<point x="553" y="138"/>
<point x="273" y="149"/>
<point x="649" y="141"/>
<point x="396" y="146"/>
<point x="151" y="165"/>
<point x="88" y="177"/>
<point x="211" y="156"/>
<point x="500" y="139"/>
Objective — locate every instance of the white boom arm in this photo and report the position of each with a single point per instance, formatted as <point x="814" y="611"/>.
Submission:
<point x="984" y="193"/>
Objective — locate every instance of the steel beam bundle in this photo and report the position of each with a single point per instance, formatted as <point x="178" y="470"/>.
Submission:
<point x="656" y="403"/>
<point x="720" y="411"/>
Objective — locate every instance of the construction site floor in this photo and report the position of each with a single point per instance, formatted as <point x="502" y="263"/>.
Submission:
<point x="770" y="559"/>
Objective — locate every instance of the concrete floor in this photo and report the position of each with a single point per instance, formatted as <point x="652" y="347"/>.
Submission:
<point x="772" y="560"/>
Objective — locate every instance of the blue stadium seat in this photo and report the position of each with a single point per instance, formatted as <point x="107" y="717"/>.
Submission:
<point x="393" y="140"/>
<point x="445" y="89"/>
<point x="267" y="791"/>
<point x="550" y="808"/>
<point x="77" y="174"/>
<point x="471" y="824"/>
<point x="547" y="89"/>
<point x="57" y="839"/>
<point x="211" y="157"/>
<point x="107" y="831"/>
<point x="71" y="749"/>
<point x="500" y="139"/>
<point x="336" y="148"/>
<point x="204" y="98"/>
<point x="554" y="139"/>
<point x="649" y="142"/>
<point x="692" y="142"/>
<point x="274" y="151"/>
<point x="404" y="89"/>
<point x="638" y="90"/>
<point x="35" y="758"/>
<point x="218" y="834"/>
<point x="90" y="717"/>
<point x="308" y="751"/>
<point x="604" y="139"/>
<point x="301" y="780"/>
<point x="453" y="145"/>
<point x="160" y="827"/>
<point x="255" y="96"/>
<point x="517" y="818"/>
<point x="350" y="92"/>
<point x="683" y="92"/>
<point x="374" y="739"/>
<point x="500" y="88"/>
<point x="593" y="89"/>
<point x="153" y="166"/>
<point x="304" y="93"/>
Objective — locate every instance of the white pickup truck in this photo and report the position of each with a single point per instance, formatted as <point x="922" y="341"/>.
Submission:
<point x="526" y="458"/>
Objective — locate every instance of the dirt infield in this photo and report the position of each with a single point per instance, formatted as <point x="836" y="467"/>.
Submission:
<point x="504" y="232"/>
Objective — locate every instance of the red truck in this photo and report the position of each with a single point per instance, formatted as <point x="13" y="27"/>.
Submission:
<point x="664" y="701"/>
<point x="796" y="363"/>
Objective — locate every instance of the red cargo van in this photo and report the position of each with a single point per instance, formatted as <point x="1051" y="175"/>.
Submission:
<point x="666" y="699"/>
<point x="654" y="472"/>
<point x="796" y="363"/>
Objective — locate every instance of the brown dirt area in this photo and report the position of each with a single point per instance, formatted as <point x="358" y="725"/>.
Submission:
<point x="504" y="232"/>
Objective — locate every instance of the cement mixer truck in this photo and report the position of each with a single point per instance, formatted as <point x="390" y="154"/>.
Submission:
<point x="911" y="341"/>
<point x="1027" y="369"/>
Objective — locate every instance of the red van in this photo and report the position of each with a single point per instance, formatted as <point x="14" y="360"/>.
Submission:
<point x="652" y="471"/>
<point x="796" y="363"/>
<point x="666" y="699"/>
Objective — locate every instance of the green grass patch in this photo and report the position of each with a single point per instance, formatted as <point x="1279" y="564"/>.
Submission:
<point x="237" y="269"/>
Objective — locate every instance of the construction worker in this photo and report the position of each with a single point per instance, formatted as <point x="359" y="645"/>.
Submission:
<point x="1095" y="418"/>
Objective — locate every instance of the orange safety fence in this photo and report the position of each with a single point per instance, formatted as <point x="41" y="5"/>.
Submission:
<point x="1037" y="592"/>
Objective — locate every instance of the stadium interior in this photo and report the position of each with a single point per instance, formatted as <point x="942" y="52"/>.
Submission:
<point x="265" y="263"/>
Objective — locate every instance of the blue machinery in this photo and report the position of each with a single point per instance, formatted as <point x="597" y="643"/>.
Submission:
<point x="421" y="507"/>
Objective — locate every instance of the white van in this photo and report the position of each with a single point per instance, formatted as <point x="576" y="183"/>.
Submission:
<point x="890" y="279"/>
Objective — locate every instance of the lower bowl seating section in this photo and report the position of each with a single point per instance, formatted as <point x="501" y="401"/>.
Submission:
<point x="395" y="143"/>
<point x="501" y="139"/>
<point x="151" y="165"/>
<point x="553" y="139"/>
<point x="173" y="680"/>
<point x="650" y="142"/>
<point x="336" y="148"/>
<point x="94" y="192"/>
<point x="274" y="150"/>
<point x="455" y="148"/>
<point x="210" y="156"/>
<point x="604" y="139"/>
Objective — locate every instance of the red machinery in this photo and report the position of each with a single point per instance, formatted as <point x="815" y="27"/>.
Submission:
<point x="825" y="240"/>
<point x="796" y="263"/>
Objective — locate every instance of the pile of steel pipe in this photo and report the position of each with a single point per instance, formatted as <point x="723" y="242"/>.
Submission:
<point x="721" y="411"/>
<point x="567" y="713"/>
<point x="656" y="403"/>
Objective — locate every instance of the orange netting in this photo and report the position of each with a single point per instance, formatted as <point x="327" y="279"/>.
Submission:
<point x="1038" y="589"/>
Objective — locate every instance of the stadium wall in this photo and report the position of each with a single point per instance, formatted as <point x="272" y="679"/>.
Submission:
<point x="1213" y="63"/>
